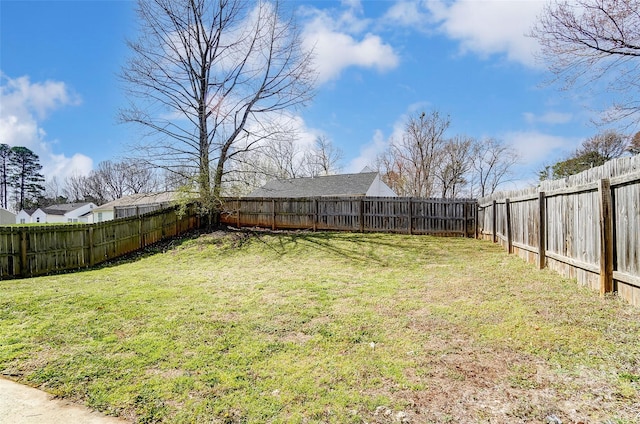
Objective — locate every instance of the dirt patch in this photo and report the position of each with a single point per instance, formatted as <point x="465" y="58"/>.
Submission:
<point x="463" y="383"/>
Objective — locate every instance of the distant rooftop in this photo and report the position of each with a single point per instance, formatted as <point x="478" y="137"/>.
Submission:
<point x="139" y="199"/>
<point x="62" y="208"/>
<point x="325" y="186"/>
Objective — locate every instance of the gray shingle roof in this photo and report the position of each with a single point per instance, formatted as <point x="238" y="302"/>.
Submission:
<point x="139" y="199"/>
<point x="330" y="185"/>
<point x="62" y="208"/>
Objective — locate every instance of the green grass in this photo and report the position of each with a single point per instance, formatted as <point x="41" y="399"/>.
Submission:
<point x="322" y="327"/>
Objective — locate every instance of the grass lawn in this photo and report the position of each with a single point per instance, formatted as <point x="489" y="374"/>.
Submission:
<point x="325" y="327"/>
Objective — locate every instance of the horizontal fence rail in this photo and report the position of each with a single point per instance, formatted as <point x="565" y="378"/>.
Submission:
<point x="129" y="211"/>
<point x="444" y="217"/>
<point x="27" y="251"/>
<point x="586" y="226"/>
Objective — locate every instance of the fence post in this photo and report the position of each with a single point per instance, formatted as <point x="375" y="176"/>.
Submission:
<point x="140" y="233"/>
<point x="92" y="261"/>
<point x="315" y="214"/>
<point x="542" y="230"/>
<point x="465" y="213"/>
<point x="361" y="214"/>
<point x="606" y="237"/>
<point x="23" y="253"/>
<point x="238" y="212"/>
<point x="476" y="214"/>
<point x="494" y="223"/>
<point x="507" y="205"/>
<point x="410" y="217"/>
<point x="273" y="214"/>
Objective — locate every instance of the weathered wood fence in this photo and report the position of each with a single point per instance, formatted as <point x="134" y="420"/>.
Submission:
<point x="586" y="226"/>
<point x="364" y="214"/>
<point x="27" y="251"/>
<point x="129" y="211"/>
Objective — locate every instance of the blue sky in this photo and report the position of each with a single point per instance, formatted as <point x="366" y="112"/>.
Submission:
<point x="377" y="61"/>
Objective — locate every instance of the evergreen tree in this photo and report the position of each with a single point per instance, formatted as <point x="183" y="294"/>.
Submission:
<point x="24" y="175"/>
<point x="5" y="152"/>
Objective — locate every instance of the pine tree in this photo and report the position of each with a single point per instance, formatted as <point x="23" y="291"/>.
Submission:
<point x="24" y="175"/>
<point x="5" y="152"/>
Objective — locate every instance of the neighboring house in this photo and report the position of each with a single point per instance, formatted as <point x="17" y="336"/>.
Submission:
<point x="7" y="217"/>
<point x="24" y="216"/>
<point x="364" y="184"/>
<point x="132" y="205"/>
<point x="62" y="213"/>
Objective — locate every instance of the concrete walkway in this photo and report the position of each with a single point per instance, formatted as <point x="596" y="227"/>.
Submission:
<point x="25" y="405"/>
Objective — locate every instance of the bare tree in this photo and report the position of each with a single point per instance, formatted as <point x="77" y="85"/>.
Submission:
<point x="323" y="159"/>
<point x="111" y="180"/>
<point x="74" y="188"/>
<point x="392" y="172"/>
<point x="608" y="144"/>
<point x="634" y="145"/>
<point x="594" y="151"/>
<point x="589" y="41"/>
<point x="141" y="178"/>
<point x="280" y="159"/>
<point x="492" y="164"/>
<point x="53" y="192"/>
<point x="411" y="161"/>
<point x="206" y="79"/>
<point x="454" y="165"/>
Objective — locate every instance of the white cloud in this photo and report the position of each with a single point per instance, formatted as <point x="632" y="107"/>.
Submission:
<point x="552" y="118"/>
<point x="368" y="153"/>
<point x="24" y="106"/>
<point x="490" y="27"/>
<point x="338" y="45"/>
<point x="408" y="14"/>
<point x="537" y="148"/>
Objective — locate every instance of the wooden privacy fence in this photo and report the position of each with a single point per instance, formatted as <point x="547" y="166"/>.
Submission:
<point x="27" y="251"/>
<point x="586" y="226"/>
<point x="371" y="214"/>
<point x="129" y="211"/>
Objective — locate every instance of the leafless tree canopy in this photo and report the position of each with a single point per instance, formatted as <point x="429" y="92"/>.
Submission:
<point x="211" y="79"/>
<point x="591" y="43"/>
<point x="409" y="166"/>
<point x="281" y="159"/>
<point x="323" y="159"/>
<point x="492" y="164"/>
<point x="452" y="170"/>
<point x="425" y="163"/>
<point x="634" y="145"/>
<point x="609" y="144"/>
<point x="594" y="151"/>
<point x="111" y="180"/>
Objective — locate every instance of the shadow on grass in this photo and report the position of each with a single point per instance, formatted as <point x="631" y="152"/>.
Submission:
<point x="359" y="247"/>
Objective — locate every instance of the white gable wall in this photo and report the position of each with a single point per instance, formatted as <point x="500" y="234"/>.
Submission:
<point x="7" y="217"/>
<point x="39" y="216"/>
<point x="23" y="217"/>
<point x="100" y="215"/>
<point x="76" y="215"/>
<point x="379" y="189"/>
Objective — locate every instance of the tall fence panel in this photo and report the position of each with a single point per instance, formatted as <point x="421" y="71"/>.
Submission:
<point x="27" y="251"/>
<point x="455" y="217"/>
<point x="586" y="226"/>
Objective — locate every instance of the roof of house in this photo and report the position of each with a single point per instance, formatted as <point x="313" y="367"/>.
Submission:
<point x="330" y="185"/>
<point x="139" y="199"/>
<point x="62" y="208"/>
